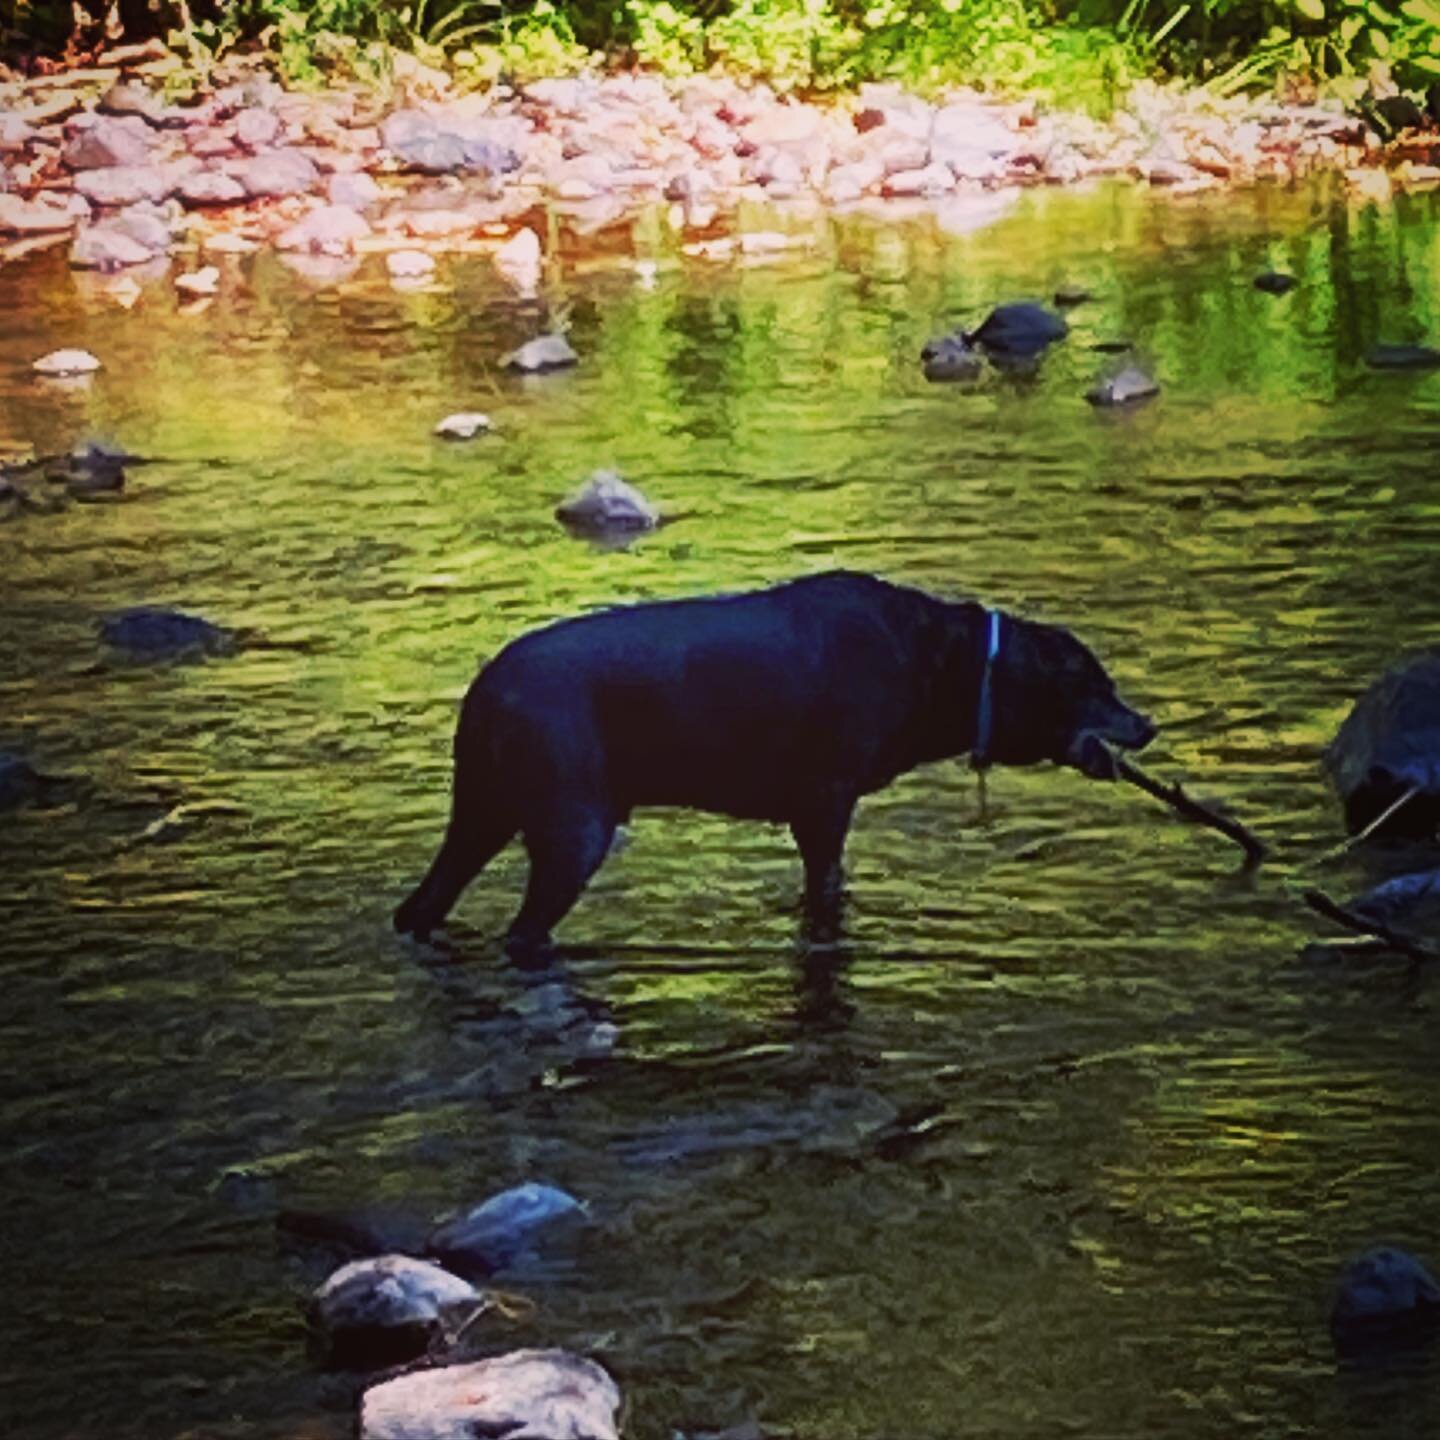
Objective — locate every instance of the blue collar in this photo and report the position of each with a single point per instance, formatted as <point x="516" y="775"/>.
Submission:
<point x="985" y="707"/>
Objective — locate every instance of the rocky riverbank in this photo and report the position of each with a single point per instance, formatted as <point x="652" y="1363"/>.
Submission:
<point x="99" y="160"/>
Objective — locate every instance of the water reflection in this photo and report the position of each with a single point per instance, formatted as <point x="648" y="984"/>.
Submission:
<point x="1057" y="1129"/>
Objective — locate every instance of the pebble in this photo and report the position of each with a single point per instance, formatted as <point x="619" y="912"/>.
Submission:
<point x="409" y="264"/>
<point x="205" y="281"/>
<point x="463" y="425"/>
<point x="1125" y="387"/>
<point x="66" y="362"/>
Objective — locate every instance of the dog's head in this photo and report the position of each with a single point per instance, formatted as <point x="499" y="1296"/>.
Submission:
<point x="1052" y="700"/>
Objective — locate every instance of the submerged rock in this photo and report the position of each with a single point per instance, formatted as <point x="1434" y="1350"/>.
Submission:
<point x="607" y="504"/>
<point x="950" y="357"/>
<point x="1068" y="296"/>
<point x="1022" y="328"/>
<point x="1403" y="357"/>
<point x="328" y="230"/>
<point x="545" y="352"/>
<point x="373" y="1313"/>
<point x="1127" y="386"/>
<point x="1273" y="282"/>
<point x="1387" y="1294"/>
<point x="526" y="1395"/>
<point x="154" y="633"/>
<point x="1390" y="744"/>
<point x="506" y="1228"/>
<point x="107" y="248"/>
<point x="20" y="782"/>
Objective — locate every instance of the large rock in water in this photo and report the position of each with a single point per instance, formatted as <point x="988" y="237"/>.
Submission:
<point x="1022" y="328"/>
<point x="1386" y="1296"/>
<point x="508" y="1227"/>
<point x="150" y="632"/>
<point x="380" y="1312"/>
<point x="1390" y="744"/>
<point x="526" y="1395"/>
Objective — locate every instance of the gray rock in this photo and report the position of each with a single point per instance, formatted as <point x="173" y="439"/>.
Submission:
<point x="507" y="1227"/>
<point x="606" y="504"/>
<point x="1125" y="387"/>
<point x="1022" y="329"/>
<point x="545" y="352"/>
<point x="256" y="129"/>
<point x="126" y="97"/>
<point x="445" y="145"/>
<point x="125" y="185"/>
<point x="209" y="187"/>
<point x="526" y="1395"/>
<point x="950" y="357"/>
<point x="106" y="248"/>
<point x="1403" y="357"/>
<point x="1385" y="1291"/>
<point x="373" y="1313"/>
<point x="355" y="189"/>
<point x="152" y="633"/>
<point x="278" y="173"/>
<point x="97" y="142"/>
<point x="19" y="781"/>
<point x="146" y="226"/>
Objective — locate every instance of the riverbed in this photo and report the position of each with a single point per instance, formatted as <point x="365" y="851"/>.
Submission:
<point x="1073" y="1129"/>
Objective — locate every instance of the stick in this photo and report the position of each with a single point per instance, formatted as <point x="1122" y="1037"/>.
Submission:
<point x="1176" y="798"/>
<point x="1322" y="904"/>
<point x="1371" y="828"/>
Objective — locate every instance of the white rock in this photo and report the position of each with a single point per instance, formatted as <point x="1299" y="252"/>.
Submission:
<point x="205" y="281"/>
<point x="383" y="1309"/>
<point x="526" y="1395"/>
<point x="66" y="362"/>
<point x="520" y="251"/>
<point x="545" y="352"/>
<point x="463" y="425"/>
<point x="409" y="264"/>
<point x="608" y="503"/>
<point x="227" y="242"/>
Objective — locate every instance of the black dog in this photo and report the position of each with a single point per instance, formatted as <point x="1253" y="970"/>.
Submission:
<point x="785" y="704"/>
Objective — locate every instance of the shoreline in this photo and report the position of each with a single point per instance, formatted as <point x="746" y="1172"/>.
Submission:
<point x="101" y="162"/>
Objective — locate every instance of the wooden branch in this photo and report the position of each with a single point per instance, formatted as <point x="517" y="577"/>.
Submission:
<point x="1175" y="797"/>
<point x="1371" y="828"/>
<point x="1322" y="904"/>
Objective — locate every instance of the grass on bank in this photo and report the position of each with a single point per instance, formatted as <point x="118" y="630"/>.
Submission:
<point x="1084" y="53"/>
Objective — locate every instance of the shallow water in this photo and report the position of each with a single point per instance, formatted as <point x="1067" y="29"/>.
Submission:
<point x="1072" y="1132"/>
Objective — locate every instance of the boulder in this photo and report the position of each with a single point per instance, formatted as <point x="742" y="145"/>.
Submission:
<point x="1019" y="329"/>
<point x="950" y="357"/>
<point x="125" y="185"/>
<point x="355" y="189"/>
<point x="1403" y="357"/>
<point x="256" y="130"/>
<point x="1389" y="746"/>
<point x="526" y="1395"/>
<point x="150" y="632"/>
<point x="96" y="142"/>
<point x="373" y="1313"/>
<point x="545" y="352"/>
<point x="607" y="505"/>
<point x="1386" y="1294"/>
<point x="107" y="248"/>
<point x="278" y="173"/>
<point x="210" y="187"/>
<point x="506" y="1228"/>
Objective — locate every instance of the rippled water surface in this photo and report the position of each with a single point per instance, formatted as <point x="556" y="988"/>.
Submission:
<point x="1070" y="1135"/>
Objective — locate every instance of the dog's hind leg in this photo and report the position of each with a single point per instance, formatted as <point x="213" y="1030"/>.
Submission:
<point x="566" y="848"/>
<point x="480" y="827"/>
